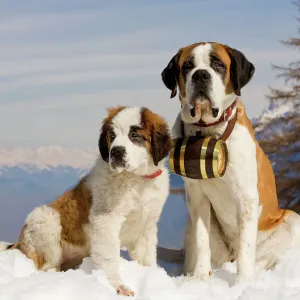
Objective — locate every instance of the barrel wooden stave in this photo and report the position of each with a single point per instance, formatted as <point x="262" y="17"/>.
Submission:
<point x="198" y="158"/>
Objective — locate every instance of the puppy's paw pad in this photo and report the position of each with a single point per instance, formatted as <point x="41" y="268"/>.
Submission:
<point x="124" y="291"/>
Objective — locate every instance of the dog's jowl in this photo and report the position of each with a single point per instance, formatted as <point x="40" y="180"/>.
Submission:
<point x="118" y="203"/>
<point x="235" y="217"/>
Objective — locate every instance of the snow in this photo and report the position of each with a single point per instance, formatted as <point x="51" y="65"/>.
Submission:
<point x="20" y="280"/>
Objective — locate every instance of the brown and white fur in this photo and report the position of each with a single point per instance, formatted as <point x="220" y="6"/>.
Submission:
<point x="235" y="217"/>
<point x="113" y="206"/>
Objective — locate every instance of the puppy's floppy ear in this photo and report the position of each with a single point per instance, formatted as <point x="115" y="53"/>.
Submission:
<point x="160" y="142"/>
<point x="241" y="70"/>
<point x="170" y="75"/>
<point x="103" y="139"/>
<point x="159" y="134"/>
<point x="102" y="143"/>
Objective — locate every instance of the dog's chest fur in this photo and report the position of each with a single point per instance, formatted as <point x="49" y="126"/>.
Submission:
<point x="240" y="178"/>
<point x="131" y="197"/>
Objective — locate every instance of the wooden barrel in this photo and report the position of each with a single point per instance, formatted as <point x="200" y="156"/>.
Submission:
<point x="198" y="157"/>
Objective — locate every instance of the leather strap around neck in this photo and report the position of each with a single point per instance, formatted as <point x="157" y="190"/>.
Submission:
<point x="229" y="128"/>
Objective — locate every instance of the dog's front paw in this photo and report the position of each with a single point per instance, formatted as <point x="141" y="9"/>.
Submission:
<point x="199" y="277"/>
<point x="245" y="275"/>
<point x="124" y="290"/>
<point x="244" y="279"/>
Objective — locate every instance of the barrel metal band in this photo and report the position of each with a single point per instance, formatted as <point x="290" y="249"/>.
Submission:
<point x="181" y="158"/>
<point x="202" y="158"/>
<point x="216" y="155"/>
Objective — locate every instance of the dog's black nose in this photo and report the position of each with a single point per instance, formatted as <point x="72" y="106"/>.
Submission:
<point x="215" y="112"/>
<point x="201" y="75"/>
<point x="117" y="153"/>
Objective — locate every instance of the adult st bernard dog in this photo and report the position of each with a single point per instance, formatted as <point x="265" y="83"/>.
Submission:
<point x="235" y="217"/>
<point x="118" y="203"/>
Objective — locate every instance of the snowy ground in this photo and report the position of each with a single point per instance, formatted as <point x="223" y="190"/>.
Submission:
<point x="19" y="280"/>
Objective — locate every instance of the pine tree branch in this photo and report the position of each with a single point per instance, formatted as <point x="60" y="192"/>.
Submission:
<point x="290" y="73"/>
<point x="276" y="94"/>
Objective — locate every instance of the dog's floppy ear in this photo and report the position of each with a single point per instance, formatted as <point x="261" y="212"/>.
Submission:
<point x="159" y="134"/>
<point x="170" y="75"/>
<point x="102" y="143"/>
<point x="241" y="70"/>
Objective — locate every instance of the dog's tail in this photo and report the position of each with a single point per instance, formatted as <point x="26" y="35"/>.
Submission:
<point x="8" y="246"/>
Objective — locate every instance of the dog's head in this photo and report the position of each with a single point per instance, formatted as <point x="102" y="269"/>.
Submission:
<point x="134" y="139"/>
<point x="208" y="76"/>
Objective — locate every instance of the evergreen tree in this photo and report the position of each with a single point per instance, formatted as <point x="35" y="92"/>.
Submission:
<point x="290" y="73"/>
<point x="279" y="134"/>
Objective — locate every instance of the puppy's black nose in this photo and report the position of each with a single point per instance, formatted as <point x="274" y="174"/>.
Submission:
<point x="117" y="153"/>
<point x="201" y="75"/>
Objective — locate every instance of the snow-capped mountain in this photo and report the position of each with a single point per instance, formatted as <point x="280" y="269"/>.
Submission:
<point x="47" y="157"/>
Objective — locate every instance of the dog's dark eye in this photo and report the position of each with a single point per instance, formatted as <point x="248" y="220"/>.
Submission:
<point x="217" y="64"/>
<point x="188" y="65"/>
<point x="112" y="135"/>
<point x="135" y="136"/>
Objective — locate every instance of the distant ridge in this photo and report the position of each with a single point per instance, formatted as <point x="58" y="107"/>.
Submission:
<point x="45" y="157"/>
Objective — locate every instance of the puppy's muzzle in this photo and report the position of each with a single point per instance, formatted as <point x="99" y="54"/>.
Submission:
<point x="117" y="156"/>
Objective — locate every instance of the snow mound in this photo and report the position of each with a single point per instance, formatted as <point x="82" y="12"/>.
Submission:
<point x="20" y="280"/>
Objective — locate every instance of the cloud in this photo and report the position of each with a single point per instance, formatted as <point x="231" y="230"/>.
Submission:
<point x="74" y="77"/>
<point x="61" y="66"/>
<point x="20" y="24"/>
<point x="75" y="119"/>
<point x="94" y="61"/>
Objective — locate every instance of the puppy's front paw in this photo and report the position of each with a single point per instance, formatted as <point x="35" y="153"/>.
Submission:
<point x="124" y="290"/>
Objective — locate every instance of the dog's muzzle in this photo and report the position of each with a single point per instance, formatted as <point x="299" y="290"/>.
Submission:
<point x="117" y="156"/>
<point x="201" y="80"/>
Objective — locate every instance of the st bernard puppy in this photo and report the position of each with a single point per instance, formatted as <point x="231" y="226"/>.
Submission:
<point x="235" y="217"/>
<point x="117" y="204"/>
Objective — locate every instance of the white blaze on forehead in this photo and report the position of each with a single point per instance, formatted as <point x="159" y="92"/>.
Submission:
<point x="126" y="118"/>
<point x="201" y="56"/>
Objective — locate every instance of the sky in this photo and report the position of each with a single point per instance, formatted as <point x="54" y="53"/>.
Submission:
<point x="63" y="63"/>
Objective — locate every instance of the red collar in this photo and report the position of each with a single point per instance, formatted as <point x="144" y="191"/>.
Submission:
<point x="224" y="117"/>
<point x="153" y="175"/>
